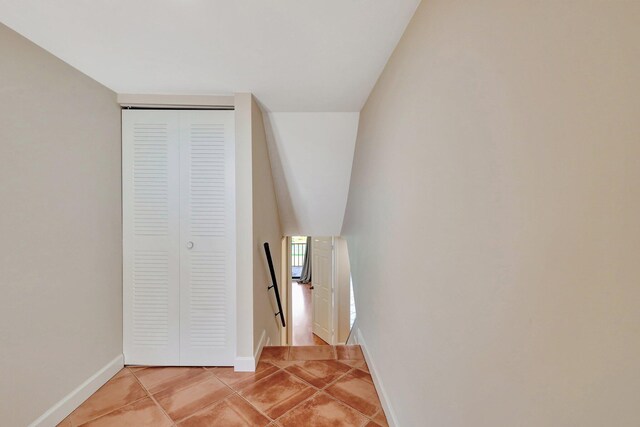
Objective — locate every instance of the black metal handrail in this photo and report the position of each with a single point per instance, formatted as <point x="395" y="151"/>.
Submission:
<point x="275" y="282"/>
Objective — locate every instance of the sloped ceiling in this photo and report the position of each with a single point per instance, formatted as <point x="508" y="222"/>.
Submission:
<point x="293" y="55"/>
<point x="311" y="157"/>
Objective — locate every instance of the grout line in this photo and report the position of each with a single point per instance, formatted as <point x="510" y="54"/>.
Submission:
<point x="301" y="379"/>
<point x="376" y="414"/>
<point x="106" y="413"/>
<point x="211" y="375"/>
<point x="322" y="390"/>
<point x="155" y="401"/>
<point x="239" y="383"/>
<point x="260" y="380"/>
<point x="237" y="392"/>
<point x="273" y="421"/>
<point x="254" y="407"/>
<point x="171" y="378"/>
<point x="369" y="418"/>
<point x="207" y="407"/>
<point x="293" y="408"/>
<point x="339" y="378"/>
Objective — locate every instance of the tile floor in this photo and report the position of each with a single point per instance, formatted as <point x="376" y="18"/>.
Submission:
<point x="313" y="386"/>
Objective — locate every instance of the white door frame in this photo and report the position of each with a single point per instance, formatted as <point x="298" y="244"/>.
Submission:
<point x="334" y="294"/>
<point x="287" y="291"/>
<point x="331" y="276"/>
<point x="128" y="247"/>
<point x="288" y="331"/>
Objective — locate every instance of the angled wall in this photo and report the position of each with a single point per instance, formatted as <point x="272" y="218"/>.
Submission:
<point x="257" y="221"/>
<point x="266" y="228"/>
<point x="60" y="228"/>
<point x="493" y="216"/>
<point x="311" y="156"/>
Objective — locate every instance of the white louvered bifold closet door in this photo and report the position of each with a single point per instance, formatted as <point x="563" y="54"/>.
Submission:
<point x="178" y="237"/>
<point x="207" y="227"/>
<point x="151" y="237"/>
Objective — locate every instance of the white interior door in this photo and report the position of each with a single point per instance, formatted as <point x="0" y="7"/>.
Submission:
<point x="179" y="237"/>
<point x="207" y="273"/>
<point x="151" y="237"/>
<point x="322" y="281"/>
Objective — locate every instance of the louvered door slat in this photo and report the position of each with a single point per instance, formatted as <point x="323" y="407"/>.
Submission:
<point x="207" y="295"/>
<point x="150" y="192"/>
<point x="179" y="237"/>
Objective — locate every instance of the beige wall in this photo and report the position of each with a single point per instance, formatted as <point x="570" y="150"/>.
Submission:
<point x="60" y="228"/>
<point x="493" y="215"/>
<point x="266" y="228"/>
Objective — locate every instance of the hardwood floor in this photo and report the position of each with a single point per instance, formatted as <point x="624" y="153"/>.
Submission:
<point x="302" y="332"/>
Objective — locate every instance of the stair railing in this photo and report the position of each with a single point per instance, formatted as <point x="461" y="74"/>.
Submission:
<point x="274" y="283"/>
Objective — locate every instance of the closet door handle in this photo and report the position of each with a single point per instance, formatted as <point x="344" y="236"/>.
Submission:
<point x="189" y="245"/>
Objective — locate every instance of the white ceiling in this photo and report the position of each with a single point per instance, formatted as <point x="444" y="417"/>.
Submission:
<point x="315" y="60"/>
<point x="294" y="55"/>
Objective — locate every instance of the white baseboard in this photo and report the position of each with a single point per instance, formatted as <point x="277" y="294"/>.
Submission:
<point x="244" y="364"/>
<point x="71" y="401"/>
<point x="384" y="397"/>
<point x="261" y="344"/>
<point x="353" y="333"/>
<point x="249" y="364"/>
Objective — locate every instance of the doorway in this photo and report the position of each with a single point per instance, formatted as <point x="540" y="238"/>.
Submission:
<point x="302" y="301"/>
<point x="320" y="293"/>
